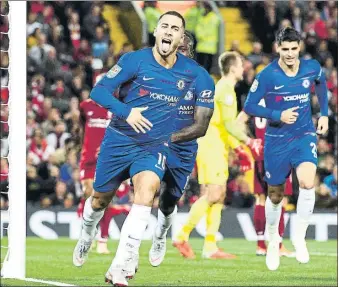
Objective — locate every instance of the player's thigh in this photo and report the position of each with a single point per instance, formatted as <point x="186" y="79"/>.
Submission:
<point x="212" y="165"/>
<point x="276" y="193"/>
<point x="305" y="160"/>
<point x="277" y="167"/>
<point x="114" y="160"/>
<point x="147" y="171"/>
<point x="87" y="186"/>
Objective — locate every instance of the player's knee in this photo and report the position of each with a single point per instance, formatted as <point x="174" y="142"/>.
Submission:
<point x="306" y="184"/>
<point x="276" y="193"/>
<point x="101" y="200"/>
<point x="216" y="194"/>
<point x="276" y="198"/>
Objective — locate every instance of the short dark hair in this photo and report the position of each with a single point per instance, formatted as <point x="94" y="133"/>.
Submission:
<point x="190" y="43"/>
<point x="288" y="34"/>
<point x="227" y="60"/>
<point x="174" y="13"/>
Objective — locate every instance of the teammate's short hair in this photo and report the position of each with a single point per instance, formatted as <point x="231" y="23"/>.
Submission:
<point x="288" y="34"/>
<point x="174" y="13"/>
<point x="190" y="43"/>
<point x="226" y="61"/>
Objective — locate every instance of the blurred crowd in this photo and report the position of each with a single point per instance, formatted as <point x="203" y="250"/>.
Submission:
<point x="68" y="45"/>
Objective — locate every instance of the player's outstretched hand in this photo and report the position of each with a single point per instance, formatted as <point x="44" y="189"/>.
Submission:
<point x="289" y="116"/>
<point x="245" y="163"/>
<point x="256" y="147"/>
<point x="137" y="121"/>
<point x="322" y="125"/>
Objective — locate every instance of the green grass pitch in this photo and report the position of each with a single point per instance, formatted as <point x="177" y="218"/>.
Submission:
<point x="52" y="261"/>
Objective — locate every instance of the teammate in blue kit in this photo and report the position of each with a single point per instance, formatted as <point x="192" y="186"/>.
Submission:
<point x="290" y="138"/>
<point x="193" y="116"/>
<point x="136" y="141"/>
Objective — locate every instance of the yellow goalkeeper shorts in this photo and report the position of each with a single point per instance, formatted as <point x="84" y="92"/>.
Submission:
<point x="212" y="161"/>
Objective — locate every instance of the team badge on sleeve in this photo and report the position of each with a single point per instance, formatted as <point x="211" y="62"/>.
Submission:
<point x="114" y="71"/>
<point x="254" y="86"/>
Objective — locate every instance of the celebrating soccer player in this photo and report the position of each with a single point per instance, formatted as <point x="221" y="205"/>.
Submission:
<point x="192" y="119"/>
<point x="290" y="139"/>
<point x="212" y="160"/>
<point x="135" y="144"/>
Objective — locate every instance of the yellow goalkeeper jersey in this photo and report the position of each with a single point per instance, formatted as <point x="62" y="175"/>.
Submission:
<point x="225" y="110"/>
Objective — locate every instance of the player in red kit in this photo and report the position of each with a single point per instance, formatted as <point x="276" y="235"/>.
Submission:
<point x="95" y="119"/>
<point x="260" y="191"/>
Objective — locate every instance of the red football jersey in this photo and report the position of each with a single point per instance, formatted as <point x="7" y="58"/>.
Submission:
<point x="96" y="120"/>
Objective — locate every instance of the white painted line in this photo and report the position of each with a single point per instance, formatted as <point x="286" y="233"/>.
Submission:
<point x="54" y="283"/>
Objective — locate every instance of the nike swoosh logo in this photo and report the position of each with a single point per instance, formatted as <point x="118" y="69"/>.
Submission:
<point x="277" y="88"/>
<point x="147" y="79"/>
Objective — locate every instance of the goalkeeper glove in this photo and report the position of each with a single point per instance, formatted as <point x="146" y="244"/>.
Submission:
<point x="256" y="147"/>
<point x="244" y="159"/>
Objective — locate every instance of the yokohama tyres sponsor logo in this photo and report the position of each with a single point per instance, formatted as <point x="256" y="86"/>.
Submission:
<point x="300" y="97"/>
<point x="165" y="98"/>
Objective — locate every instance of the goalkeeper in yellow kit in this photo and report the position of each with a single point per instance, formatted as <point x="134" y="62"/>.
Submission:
<point x="223" y="133"/>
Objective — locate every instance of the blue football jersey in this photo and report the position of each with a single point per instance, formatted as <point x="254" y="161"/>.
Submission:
<point x="281" y="92"/>
<point x="200" y="93"/>
<point x="148" y="85"/>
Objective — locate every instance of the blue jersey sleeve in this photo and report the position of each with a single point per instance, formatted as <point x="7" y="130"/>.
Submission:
<point x="321" y="91"/>
<point x="204" y="89"/>
<point x="124" y="70"/>
<point x="257" y="91"/>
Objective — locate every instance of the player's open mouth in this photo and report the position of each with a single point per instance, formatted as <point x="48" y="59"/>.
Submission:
<point x="165" y="45"/>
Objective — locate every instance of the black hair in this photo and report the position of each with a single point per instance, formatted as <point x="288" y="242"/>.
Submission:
<point x="190" y="42"/>
<point x="174" y="13"/>
<point x="288" y="34"/>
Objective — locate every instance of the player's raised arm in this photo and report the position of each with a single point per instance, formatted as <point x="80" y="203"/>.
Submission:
<point x="203" y="111"/>
<point x="257" y="92"/>
<point x="321" y="91"/>
<point x="123" y="71"/>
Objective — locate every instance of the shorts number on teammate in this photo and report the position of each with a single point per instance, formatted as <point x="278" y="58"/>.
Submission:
<point x="314" y="149"/>
<point x="161" y="161"/>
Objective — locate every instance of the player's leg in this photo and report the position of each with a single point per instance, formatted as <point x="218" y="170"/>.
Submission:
<point x="277" y="169"/>
<point x="260" y="191"/>
<point x="146" y="174"/>
<point x="306" y="172"/>
<point x="111" y="170"/>
<point x="305" y="163"/>
<point x="216" y="194"/>
<point x="200" y="207"/>
<point x="93" y="212"/>
<point x="166" y="212"/>
<point x="104" y="226"/>
<point x="287" y="192"/>
<point x="260" y="223"/>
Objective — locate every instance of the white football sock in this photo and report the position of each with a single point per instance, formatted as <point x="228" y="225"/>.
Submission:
<point x="90" y="220"/>
<point x="305" y="208"/>
<point x="132" y="231"/>
<point x="272" y="213"/>
<point x="164" y="223"/>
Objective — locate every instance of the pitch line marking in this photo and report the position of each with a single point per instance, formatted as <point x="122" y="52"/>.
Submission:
<point x="54" y="283"/>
